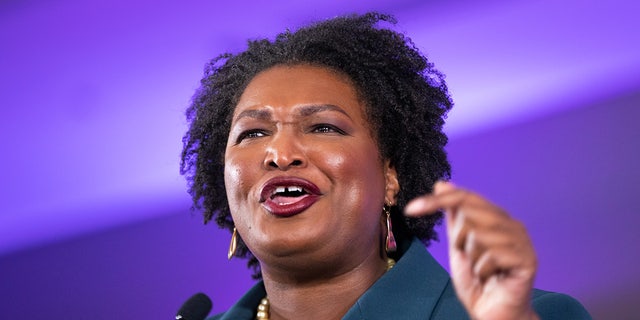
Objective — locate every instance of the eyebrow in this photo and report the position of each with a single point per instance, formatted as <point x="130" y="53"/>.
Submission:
<point x="257" y="114"/>
<point x="304" y="111"/>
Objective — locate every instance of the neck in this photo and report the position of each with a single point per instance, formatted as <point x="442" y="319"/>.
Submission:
<point x="323" y="297"/>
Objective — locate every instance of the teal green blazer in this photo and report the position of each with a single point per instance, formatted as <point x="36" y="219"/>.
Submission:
<point x="416" y="288"/>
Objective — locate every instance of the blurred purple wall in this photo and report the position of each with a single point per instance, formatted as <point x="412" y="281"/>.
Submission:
<point x="94" y="219"/>
<point x="138" y="271"/>
<point x="572" y="178"/>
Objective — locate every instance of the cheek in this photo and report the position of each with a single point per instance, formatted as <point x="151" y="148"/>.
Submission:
<point x="337" y="161"/>
<point x="361" y="174"/>
<point x="232" y="167"/>
<point x="237" y="179"/>
<point x="361" y="195"/>
<point x="232" y="175"/>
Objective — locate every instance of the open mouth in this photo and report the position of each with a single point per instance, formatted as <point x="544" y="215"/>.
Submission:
<point x="287" y="196"/>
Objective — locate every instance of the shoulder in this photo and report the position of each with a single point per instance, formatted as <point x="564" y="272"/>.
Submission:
<point x="235" y="314"/>
<point x="552" y="305"/>
<point x="245" y="308"/>
<point x="216" y="317"/>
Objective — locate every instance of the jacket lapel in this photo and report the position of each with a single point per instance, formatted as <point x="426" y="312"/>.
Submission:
<point x="411" y="289"/>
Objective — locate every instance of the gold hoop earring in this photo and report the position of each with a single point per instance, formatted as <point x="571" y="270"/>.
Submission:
<point x="233" y="245"/>
<point x="390" y="243"/>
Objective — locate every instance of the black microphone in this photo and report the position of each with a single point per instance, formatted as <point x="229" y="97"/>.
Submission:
<point x="196" y="308"/>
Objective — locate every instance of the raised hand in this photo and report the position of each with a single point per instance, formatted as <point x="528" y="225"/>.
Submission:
<point x="493" y="263"/>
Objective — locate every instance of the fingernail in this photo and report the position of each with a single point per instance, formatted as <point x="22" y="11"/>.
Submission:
<point x="417" y="206"/>
<point x="442" y="185"/>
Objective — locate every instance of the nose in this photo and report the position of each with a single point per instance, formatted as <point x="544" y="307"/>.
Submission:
<point x="284" y="151"/>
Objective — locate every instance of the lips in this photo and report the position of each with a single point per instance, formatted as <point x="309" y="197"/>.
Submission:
<point x="288" y="196"/>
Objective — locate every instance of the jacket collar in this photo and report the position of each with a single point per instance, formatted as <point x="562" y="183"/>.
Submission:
<point x="412" y="288"/>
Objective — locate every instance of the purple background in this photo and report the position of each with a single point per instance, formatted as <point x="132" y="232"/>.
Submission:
<point x="95" y="220"/>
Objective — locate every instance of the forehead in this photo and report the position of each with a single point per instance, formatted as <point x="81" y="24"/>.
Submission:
<point x="289" y="86"/>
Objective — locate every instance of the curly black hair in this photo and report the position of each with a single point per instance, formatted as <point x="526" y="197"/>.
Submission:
<point x="406" y="102"/>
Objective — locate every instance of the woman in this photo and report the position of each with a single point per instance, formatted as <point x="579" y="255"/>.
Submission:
<point x="323" y="153"/>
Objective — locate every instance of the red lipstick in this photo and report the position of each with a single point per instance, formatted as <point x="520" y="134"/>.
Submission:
<point x="288" y="196"/>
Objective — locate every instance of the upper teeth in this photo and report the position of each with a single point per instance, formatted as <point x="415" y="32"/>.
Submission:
<point x="288" y="189"/>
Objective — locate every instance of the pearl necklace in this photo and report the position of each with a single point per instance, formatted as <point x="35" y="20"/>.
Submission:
<point x="263" y="308"/>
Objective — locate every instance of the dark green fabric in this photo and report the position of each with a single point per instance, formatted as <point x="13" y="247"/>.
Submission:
<point x="416" y="288"/>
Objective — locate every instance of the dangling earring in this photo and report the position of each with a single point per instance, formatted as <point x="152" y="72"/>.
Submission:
<point x="233" y="245"/>
<point x="390" y="243"/>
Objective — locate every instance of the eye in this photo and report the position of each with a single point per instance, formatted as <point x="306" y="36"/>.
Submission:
<point x="326" y="128"/>
<point x="250" y="134"/>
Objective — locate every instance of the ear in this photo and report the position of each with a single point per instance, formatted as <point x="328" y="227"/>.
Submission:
<point x="392" y="186"/>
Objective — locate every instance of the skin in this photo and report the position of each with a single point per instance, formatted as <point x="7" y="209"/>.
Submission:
<point x="493" y="263"/>
<point x="314" y="259"/>
<point x="314" y="265"/>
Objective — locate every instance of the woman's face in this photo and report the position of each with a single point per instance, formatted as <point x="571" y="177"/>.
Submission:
<point x="304" y="177"/>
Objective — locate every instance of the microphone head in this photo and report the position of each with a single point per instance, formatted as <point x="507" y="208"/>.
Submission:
<point x="196" y="308"/>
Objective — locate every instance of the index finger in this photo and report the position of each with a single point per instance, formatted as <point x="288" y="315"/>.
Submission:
<point x="448" y="197"/>
<point x="427" y="204"/>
